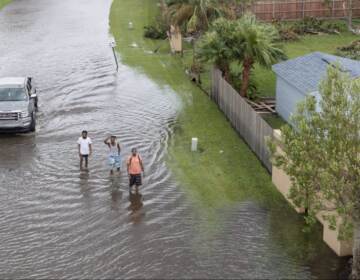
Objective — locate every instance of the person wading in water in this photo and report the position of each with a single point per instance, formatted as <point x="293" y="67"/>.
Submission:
<point x="134" y="168"/>
<point x="84" y="148"/>
<point x="114" y="156"/>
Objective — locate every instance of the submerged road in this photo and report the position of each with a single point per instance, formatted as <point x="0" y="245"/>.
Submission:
<point x="58" y="223"/>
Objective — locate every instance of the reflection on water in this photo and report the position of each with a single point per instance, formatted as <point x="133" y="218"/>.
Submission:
<point x="85" y="189"/>
<point x="115" y="192"/>
<point x="57" y="222"/>
<point x="135" y="207"/>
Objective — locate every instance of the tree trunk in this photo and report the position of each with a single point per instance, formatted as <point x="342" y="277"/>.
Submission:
<point x="247" y="64"/>
<point x="356" y="253"/>
<point x="225" y="69"/>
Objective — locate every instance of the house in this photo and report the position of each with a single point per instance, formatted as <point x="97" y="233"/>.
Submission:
<point x="299" y="77"/>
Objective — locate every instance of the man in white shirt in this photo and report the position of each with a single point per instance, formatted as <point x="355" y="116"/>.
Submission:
<point x="85" y="149"/>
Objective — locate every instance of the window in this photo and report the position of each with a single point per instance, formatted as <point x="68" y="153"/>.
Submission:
<point x="12" y="94"/>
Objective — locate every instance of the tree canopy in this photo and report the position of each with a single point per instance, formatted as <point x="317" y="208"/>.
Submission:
<point x="245" y="41"/>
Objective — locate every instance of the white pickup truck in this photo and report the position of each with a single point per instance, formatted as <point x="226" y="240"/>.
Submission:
<point x="18" y="104"/>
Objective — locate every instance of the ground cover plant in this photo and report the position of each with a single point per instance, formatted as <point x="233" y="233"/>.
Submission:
<point x="351" y="50"/>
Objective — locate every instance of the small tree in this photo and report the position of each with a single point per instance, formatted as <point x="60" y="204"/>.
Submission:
<point x="196" y="15"/>
<point x="322" y="157"/>
<point x="245" y="41"/>
<point x="259" y="43"/>
<point x="215" y="46"/>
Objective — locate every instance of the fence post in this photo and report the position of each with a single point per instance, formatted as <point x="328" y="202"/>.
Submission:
<point x="273" y="10"/>
<point x="333" y="9"/>
<point x="303" y="9"/>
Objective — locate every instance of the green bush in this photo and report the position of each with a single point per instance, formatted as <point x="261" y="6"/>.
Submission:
<point x="333" y="26"/>
<point x="350" y="51"/>
<point x="157" y="31"/>
<point x="290" y="31"/>
<point x="307" y="25"/>
<point x="286" y="31"/>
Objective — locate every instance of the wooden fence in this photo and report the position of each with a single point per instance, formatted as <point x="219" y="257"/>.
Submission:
<point x="249" y="124"/>
<point x="298" y="9"/>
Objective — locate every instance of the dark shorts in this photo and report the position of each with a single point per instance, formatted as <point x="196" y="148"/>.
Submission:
<point x="85" y="157"/>
<point x="135" y="180"/>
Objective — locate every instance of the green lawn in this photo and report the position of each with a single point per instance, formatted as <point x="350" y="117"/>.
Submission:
<point x="3" y="3"/>
<point x="325" y="43"/>
<point x="224" y="170"/>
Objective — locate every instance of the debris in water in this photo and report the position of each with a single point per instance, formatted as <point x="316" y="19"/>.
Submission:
<point x="194" y="144"/>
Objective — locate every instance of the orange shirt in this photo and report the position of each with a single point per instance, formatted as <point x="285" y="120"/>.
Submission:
<point x="134" y="164"/>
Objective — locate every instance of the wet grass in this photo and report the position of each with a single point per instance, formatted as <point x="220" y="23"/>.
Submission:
<point x="3" y="3"/>
<point x="224" y="170"/>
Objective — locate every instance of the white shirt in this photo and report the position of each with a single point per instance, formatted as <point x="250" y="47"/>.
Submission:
<point x="84" y="145"/>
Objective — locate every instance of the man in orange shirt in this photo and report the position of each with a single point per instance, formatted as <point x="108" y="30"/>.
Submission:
<point x="134" y="168"/>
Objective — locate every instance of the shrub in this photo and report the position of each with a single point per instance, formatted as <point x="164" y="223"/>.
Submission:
<point x="350" y="51"/>
<point x="290" y="31"/>
<point x="333" y="27"/>
<point x="307" y="25"/>
<point x="286" y="31"/>
<point x="154" y="32"/>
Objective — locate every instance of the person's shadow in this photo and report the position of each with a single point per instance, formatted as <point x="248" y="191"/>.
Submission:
<point x="135" y="207"/>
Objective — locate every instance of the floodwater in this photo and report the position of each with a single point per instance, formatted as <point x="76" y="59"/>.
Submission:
<point x="56" y="222"/>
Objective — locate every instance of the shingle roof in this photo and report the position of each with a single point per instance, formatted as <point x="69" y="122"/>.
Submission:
<point x="305" y="72"/>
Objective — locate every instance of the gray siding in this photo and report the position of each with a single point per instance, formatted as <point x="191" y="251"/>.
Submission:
<point x="287" y="98"/>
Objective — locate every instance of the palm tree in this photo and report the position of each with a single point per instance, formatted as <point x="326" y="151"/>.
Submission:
<point x="244" y="41"/>
<point x="215" y="45"/>
<point x="195" y="14"/>
<point x="259" y="43"/>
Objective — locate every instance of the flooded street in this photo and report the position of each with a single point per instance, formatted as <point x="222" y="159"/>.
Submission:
<point x="58" y="223"/>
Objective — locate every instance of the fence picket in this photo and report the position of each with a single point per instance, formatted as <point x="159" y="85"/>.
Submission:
<point x="249" y="124"/>
<point x="269" y="10"/>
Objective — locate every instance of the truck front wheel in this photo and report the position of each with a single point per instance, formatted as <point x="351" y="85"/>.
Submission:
<point x="33" y="123"/>
<point x="36" y="104"/>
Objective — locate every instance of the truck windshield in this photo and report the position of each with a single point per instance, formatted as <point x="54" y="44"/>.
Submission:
<point x="12" y="94"/>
